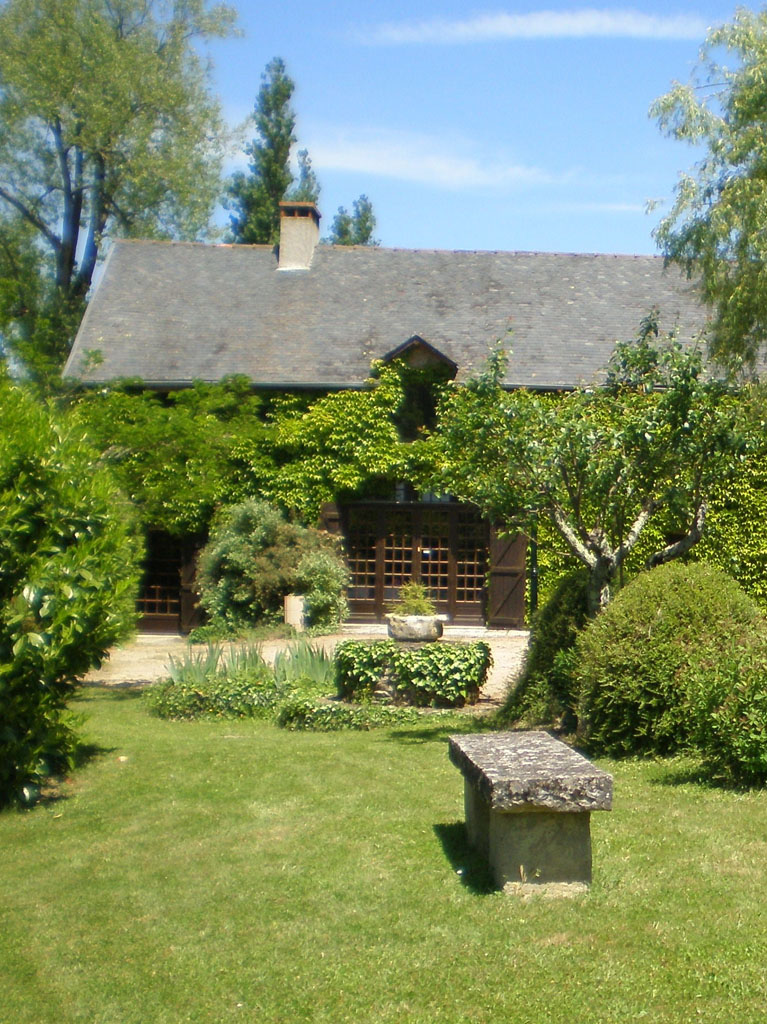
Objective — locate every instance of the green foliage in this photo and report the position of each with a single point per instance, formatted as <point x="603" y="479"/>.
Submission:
<point x="716" y="227"/>
<point x="255" y="197"/>
<point x="544" y="691"/>
<point x="340" y="447"/>
<point x="304" y="661"/>
<point x="414" y="600"/>
<point x="643" y="663"/>
<point x="354" y="228"/>
<point x="251" y="562"/>
<point x="428" y="675"/>
<point x="314" y="714"/>
<point x="68" y="582"/>
<point x="129" y="145"/>
<point x="217" y="684"/>
<point x="597" y="464"/>
<point x="322" y="577"/>
<point x="180" y="456"/>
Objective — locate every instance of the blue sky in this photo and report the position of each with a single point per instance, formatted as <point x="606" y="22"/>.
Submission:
<point x="495" y="126"/>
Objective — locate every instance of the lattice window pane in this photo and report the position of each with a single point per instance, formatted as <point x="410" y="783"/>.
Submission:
<point x="361" y="555"/>
<point x="398" y="553"/>
<point x="435" y="553"/>
<point x="471" y="557"/>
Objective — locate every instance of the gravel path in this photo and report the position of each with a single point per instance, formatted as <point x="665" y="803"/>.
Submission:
<point x="145" y="659"/>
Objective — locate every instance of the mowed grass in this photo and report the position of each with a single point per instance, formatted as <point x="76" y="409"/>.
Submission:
<point x="230" y="871"/>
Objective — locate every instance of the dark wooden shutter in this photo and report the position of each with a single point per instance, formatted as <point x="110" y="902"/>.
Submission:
<point x="506" y="585"/>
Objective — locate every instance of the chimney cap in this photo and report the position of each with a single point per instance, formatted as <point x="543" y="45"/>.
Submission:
<point x="299" y="208"/>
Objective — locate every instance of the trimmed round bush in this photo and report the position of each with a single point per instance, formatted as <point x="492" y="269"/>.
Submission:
<point x="646" y="666"/>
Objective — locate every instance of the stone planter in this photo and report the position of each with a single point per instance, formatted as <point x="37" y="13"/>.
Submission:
<point x="415" y="628"/>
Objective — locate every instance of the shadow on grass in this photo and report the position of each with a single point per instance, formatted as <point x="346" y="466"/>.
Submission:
<point x="440" y="730"/>
<point x="697" y="775"/>
<point x="120" y="691"/>
<point x="472" y="868"/>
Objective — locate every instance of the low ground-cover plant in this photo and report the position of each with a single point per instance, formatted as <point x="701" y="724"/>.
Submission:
<point x="218" y="683"/>
<point x="678" y="660"/>
<point x="428" y="675"/>
<point x="317" y="714"/>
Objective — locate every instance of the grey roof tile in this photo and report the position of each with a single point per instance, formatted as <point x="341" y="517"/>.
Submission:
<point x="172" y="313"/>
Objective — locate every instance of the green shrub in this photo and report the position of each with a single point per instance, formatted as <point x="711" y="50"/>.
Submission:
<point x="642" y="664"/>
<point x="69" y="558"/>
<point x="544" y="692"/>
<point x="251" y="562"/>
<point x="414" y="600"/>
<point x="728" y="705"/>
<point x="322" y="578"/>
<point x="429" y="675"/>
<point x="219" y="684"/>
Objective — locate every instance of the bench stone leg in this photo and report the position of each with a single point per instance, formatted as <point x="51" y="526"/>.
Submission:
<point x="531" y="851"/>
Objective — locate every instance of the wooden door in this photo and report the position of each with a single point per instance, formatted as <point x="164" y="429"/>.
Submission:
<point x="506" y="587"/>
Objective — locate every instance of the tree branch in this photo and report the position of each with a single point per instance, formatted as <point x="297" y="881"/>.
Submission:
<point x="571" y="538"/>
<point x="31" y="218"/>
<point x="681" y="547"/>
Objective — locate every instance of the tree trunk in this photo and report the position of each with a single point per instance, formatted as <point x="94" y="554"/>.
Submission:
<point x="598" y="588"/>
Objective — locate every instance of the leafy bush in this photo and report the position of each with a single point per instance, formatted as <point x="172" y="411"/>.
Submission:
<point x="69" y="560"/>
<point x="544" y="692"/>
<point x="251" y="562"/>
<point x="322" y="578"/>
<point x="728" y="704"/>
<point x="217" y="683"/>
<point x="430" y="675"/>
<point x="643" y="665"/>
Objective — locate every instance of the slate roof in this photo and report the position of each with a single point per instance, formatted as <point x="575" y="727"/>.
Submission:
<point x="172" y="313"/>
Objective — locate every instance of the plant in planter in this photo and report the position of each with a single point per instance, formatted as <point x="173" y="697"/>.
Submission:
<point x="414" y="616"/>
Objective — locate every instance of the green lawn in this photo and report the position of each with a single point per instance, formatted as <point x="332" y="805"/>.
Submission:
<point x="230" y="871"/>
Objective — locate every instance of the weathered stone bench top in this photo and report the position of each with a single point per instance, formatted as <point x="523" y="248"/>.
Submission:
<point x="527" y="770"/>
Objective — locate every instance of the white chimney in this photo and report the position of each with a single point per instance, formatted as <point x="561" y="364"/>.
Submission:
<point x="299" y="235"/>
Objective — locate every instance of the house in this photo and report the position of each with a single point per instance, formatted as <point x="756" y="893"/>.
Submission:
<point x="313" y="316"/>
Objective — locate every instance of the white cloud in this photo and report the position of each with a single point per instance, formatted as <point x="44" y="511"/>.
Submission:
<point x="421" y="158"/>
<point x="579" y="24"/>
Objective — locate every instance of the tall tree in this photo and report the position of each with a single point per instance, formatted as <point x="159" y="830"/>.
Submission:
<point x="254" y="197"/>
<point x="354" y="228"/>
<point x="600" y="463"/>
<point x="106" y="126"/>
<point x="717" y="227"/>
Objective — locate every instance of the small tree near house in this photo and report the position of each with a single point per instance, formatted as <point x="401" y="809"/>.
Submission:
<point x="598" y="463"/>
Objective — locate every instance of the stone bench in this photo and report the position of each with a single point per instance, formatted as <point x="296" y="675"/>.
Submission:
<point x="528" y="802"/>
